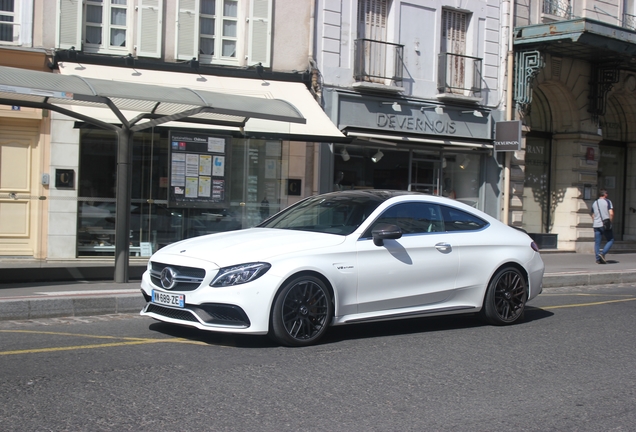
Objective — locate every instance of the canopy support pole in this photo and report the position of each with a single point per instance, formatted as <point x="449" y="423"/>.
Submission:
<point x="122" y="209"/>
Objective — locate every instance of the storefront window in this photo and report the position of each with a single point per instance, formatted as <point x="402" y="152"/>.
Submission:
<point x="536" y="196"/>
<point x="454" y="175"/>
<point x="253" y="181"/>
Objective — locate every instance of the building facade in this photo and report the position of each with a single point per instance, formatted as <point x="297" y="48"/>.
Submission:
<point x="417" y="86"/>
<point x="188" y="178"/>
<point x="24" y="134"/>
<point x="575" y="94"/>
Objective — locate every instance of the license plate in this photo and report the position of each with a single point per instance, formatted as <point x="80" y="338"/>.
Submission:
<point x="174" y="300"/>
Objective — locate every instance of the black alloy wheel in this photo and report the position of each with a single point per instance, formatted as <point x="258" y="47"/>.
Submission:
<point x="506" y="297"/>
<point x="302" y="312"/>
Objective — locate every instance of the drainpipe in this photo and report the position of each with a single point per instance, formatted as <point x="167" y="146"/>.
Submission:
<point x="509" y="109"/>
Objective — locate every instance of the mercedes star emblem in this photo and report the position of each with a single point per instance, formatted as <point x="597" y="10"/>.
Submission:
<point x="168" y="276"/>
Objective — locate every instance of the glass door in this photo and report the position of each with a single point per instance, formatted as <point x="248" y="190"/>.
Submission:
<point x="425" y="173"/>
<point x="611" y="177"/>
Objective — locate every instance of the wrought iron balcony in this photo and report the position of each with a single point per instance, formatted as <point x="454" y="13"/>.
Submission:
<point x="559" y="8"/>
<point x="629" y="21"/>
<point x="378" y="62"/>
<point x="459" y="75"/>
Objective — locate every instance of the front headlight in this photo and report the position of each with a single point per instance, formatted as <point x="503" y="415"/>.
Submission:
<point x="239" y="274"/>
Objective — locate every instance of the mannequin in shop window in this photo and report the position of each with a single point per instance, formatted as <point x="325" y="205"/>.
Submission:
<point x="337" y="186"/>
<point x="448" y="189"/>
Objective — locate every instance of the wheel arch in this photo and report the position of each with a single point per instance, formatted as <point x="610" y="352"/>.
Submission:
<point x="513" y="264"/>
<point x="313" y="273"/>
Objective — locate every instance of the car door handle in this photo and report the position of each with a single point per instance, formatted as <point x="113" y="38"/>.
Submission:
<point x="443" y="247"/>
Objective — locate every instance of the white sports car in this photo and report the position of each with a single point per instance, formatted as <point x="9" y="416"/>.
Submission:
<point x="342" y="258"/>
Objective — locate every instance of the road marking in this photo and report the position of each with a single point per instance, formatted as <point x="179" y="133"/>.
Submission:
<point x="125" y="341"/>
<point x="90" y="292"/>
<point x="587" y="304"/>
<point x="584" y="295"/>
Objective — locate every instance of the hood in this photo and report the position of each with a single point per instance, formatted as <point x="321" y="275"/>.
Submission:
<point x="248" y="245"/>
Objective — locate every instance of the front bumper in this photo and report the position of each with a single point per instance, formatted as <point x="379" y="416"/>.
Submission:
<point x="237" y="309"/>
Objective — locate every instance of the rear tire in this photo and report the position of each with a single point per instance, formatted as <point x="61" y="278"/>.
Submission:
<point x="506" y="297"/>
<point x="302" y="312"/>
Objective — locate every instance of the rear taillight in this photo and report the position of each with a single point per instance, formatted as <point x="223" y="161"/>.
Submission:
<point x="534" y="247"/>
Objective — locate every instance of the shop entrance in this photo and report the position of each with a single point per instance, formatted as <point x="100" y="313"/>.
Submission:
<point x="425" y="173"/>
<point x="611" y="177"/>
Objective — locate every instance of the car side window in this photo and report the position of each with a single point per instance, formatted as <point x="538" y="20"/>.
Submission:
<point x="458" y="220"/>
<point x="412" y="218"/>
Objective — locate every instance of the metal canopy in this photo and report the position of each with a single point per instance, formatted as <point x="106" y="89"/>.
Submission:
<point x="155" y="105"/>
<point x="581" y="38"/>
<point x="178" y="103"/>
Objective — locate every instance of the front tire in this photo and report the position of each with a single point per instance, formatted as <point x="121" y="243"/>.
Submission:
<point x="302" y="312"/>
<point x="506" y="297"/>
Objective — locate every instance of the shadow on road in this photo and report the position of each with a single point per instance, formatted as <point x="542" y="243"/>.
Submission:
<point x="346" y="332"/>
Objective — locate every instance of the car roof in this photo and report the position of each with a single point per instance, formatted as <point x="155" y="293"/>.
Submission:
<point x="379" y="194"/>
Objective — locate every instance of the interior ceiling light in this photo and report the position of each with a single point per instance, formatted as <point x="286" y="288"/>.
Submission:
<point x="465" y="162"/>
<point x="376" y="157"/>
<point x="345" y="154"/>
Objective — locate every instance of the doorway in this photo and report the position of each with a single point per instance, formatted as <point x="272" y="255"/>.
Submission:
<point x="425" y="173"/>
<point x="611" y="177"/>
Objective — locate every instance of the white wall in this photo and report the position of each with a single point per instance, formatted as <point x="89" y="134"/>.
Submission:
<point x="416" y="24"/>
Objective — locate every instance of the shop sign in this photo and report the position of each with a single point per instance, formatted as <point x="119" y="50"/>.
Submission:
<point x="422" y="124"/>
<point x="507" y="135"/>
<point x="382" y="114"/>
<point x="198" y="168"/>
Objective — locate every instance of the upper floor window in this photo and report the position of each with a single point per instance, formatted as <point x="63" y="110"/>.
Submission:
<point x="7" y="20"/>
<point x="558" y="8"/>
<point x="458" y="73"/>
<point x="228" y="32"/>
<point x="106" y="25"/>
<point x="16" y="24"/>
<point x="219" y="29"/>
<point x="372" y="16"/>
<point x="376" y="60"/>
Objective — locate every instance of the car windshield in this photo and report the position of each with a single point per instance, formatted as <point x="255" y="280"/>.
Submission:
<point x="336" y="213"/>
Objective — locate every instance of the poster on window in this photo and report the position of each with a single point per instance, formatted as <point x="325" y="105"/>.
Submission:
<point x="198" y="174"/>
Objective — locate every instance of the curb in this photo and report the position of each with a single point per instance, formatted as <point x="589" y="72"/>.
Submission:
<point x="556" y="280"/>
<point x="78" y="305"/>
<point x="35" y="308"/>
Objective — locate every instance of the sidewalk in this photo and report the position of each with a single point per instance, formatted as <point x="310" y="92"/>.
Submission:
<point x="20" y="301"/>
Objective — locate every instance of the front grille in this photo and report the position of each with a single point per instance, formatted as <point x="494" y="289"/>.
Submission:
<point x="178" y="314"/>
<point x="209" y="313"/>
<point x="192" y="272"/>
<point x="179" y="286"/>
<point x="222" y="314"/>
<point x="187" y="279"/>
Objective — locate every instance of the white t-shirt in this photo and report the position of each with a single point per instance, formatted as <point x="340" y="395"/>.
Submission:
<point x="600" y="211"/>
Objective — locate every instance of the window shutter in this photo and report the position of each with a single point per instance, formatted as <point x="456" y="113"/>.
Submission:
<point x="372" y="16"/>
<point x="69" y="25"/>
<point x="260" y="33"/>
<point x="149" y="28"/>
<point x="187" y="29"/>
<point x="454" y="32"/>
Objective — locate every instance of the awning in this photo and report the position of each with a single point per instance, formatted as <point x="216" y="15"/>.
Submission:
<point x="403" y="139"/>
<point x="582" y="38"/>
<point x="244" y="92"/>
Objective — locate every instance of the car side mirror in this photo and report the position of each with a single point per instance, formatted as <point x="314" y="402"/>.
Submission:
<point x="384" y="231"/>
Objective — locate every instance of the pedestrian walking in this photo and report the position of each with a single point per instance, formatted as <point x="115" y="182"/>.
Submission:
<point x="602" y="214"/>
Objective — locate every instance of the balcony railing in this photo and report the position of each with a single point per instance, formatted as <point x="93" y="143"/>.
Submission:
<point x="559" y="8"/>
<point x="459" y="74"/>
<point x="629" y="21"/>
<point x="378" y="62"/>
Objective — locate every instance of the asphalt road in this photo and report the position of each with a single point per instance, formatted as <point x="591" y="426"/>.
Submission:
<point x="571" y="366"/>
